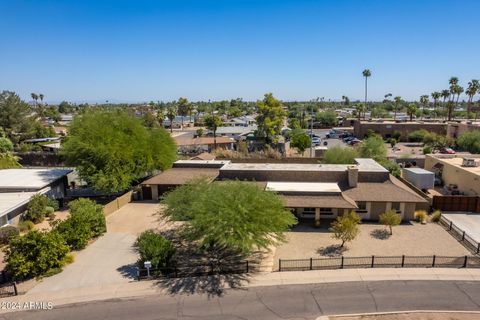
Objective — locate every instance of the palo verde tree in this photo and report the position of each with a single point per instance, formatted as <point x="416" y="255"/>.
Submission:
<point x="112" y="149"/>
<point x="345" y="227"/>
<point x="236" y="215"/>
<point x="390" y="219"/>
<point x="270" y="117"/>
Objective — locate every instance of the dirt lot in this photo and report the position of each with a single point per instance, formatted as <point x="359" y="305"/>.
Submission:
<point x="414" y="316"/>
<point x="305" y="241"/>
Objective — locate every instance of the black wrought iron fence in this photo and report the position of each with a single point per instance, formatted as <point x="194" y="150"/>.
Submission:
<point x="195" y="270"/>
<point x="459" y="234"/>
<point x="8" y="289"/>
<point x="379" y="262"/>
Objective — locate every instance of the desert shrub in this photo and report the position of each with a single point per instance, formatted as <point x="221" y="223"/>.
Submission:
<point x="25" y="226"/>
<point x="35" y="254"/>
<point x="86" y="221"/>
<point x="154" y="248"/>
<point x="54" y="204"/>
<point x="417" y="135"/>
<point x="420" y="215"/>
<point x="6" y="233"/>
<point x="36" y="209"/>
<point x="92" y="212"/>
<point x="427" y="150"/>
<point x="436" y="215"/>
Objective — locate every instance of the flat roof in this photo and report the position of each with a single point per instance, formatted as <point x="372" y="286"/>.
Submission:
<point x="9" y="201"/>
<point x="180" y="176"/>
<point x="418" y="171"/>
<point x="310" y="187"/>
<point x="30" y="178"/>
<point x="363" y="165"/>
<point x="457" y="162"/>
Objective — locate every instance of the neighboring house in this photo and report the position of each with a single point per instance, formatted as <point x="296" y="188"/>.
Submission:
<point x="460" y="174"/>
<point x="237" y="133"/>
<point x="314" y="191"/>
<point x="243" y="121"/>
<point x="202" y="144"/>
<point x="18" y="185"/>
<point x="387" y="128"/>
<point x="52" y="147"/>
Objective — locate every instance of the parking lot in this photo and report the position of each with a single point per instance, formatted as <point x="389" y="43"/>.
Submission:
<point x="468" y="222"/>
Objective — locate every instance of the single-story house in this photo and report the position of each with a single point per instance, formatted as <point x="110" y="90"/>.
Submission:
<point x="17" y="186"/>
<point x="310" y="190"/>
<point x="202" y="144"/>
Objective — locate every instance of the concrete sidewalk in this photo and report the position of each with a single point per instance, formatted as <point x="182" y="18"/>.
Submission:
<point x="145" y="288"/>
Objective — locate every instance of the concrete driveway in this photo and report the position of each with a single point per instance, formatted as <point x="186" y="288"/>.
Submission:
<point x="468" y="222"/>
<point x="111" y="258"/>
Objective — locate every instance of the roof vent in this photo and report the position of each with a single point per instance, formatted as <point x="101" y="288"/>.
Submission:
<point x="469" y="162"/>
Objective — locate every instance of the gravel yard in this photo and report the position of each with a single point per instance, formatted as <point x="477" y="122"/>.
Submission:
<point x="413" y="239"/>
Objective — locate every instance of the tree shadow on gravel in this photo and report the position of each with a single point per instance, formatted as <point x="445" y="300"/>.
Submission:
<point x="332" y="251"/>
<point x="380" y="234"/>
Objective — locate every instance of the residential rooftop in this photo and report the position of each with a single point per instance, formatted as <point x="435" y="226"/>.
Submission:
<point x="304" y="187"/>
<point x="363" y="165"/>
<point x="457" y="160"/>
<point x="30" y="179"/>
<point x="10" y="201"/>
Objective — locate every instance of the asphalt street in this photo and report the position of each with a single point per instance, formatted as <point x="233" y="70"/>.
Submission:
<point x="278" y="302"/>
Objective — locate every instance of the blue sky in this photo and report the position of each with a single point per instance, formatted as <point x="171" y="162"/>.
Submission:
<point x="88" y="50"/>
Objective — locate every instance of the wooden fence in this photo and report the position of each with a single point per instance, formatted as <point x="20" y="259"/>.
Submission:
<point x="117" y="203"/>
<point x="456" y="203"/>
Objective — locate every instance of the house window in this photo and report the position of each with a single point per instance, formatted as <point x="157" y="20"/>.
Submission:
<point x="396" y="207"/>
<point x="362" y="207"/>
<point x="308" y="210"/>
<point x="326" y="211"/>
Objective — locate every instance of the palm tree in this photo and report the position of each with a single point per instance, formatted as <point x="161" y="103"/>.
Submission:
<point x="212" y="122"/>
<point x="34" y="97"/>
<point x="171" y="114"/>
<point x="360" y="108"/>
<point x="473" y="87"/>
<point x="458" y="90"/>
<point x="398" y="101"/>
<point x="435" y="96"/>
<point x="366" y="73"/>
<point x="41" y="97"/>
<point x="411" y="110"/>
<point x="424" y="103"/>
<point x="445" y="95"/>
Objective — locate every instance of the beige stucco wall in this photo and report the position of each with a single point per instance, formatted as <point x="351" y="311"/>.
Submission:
<point x="409" y="211"/>
<point x="467" y="182"/>
<point x="377" y="208"/>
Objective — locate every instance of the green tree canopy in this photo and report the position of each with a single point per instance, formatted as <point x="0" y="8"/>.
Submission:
<point x="470" y="141"/>
<point x="327" y="118"/>
<point x="373" y="147"/>
<point x="235" y="214"/>
<point x="300" y="140"/>
<point x="113" y="149"/>
<point x="340" y="155"/>
<point x="13" y="112"/>
<point x="270" y="117"/>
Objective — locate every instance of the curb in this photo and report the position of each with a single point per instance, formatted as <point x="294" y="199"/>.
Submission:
<point x="332" y="317"/>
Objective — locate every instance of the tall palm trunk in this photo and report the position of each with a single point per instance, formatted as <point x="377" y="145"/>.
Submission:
<point x="366" y="95"/>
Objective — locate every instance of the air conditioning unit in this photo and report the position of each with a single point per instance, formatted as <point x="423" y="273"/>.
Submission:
<point x="469" y="162"/>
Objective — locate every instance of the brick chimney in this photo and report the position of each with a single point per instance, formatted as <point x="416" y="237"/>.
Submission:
<point x="352" y="176"/>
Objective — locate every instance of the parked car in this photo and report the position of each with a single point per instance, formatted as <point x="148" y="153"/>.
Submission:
<point x="316" y="141"/>
<point x="447" y="151"/>
<point x="354" y="142"/>
<point x="350" y="138"/>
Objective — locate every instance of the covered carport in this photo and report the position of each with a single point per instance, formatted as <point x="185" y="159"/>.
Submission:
<point x="154" y="187"/>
